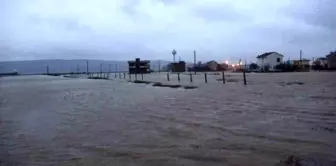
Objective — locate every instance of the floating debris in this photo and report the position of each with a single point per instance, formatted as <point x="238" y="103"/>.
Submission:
<point x="97" y="78"/>
<point x="190" y="87"/>
<point x="329" y="129"/>
<point x="229" y="80"/>
<point x="141" y="82"/>
<point x="70" y="76"/>
<point x="290" y="83"/>
<point x="323" y="97"/>
<point x="216" y="74"/>
<point x="54" y="74"/>
<point x="307" y="161"/>
<point x="206" y="159"/>
<point x="159" y="84"/>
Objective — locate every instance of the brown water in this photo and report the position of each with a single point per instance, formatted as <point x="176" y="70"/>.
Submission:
<point x="59" y="121"/>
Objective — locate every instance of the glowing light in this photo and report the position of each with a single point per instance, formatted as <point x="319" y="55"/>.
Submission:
<point x="233" y="65"/>
<point x="226" y="62"/>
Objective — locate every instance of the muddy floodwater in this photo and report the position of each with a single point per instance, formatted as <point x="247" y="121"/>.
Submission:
<point x="49" y="120"/>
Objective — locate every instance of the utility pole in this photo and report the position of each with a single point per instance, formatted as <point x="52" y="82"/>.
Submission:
<point x="195" y="61"/>
<point x="47" y="69"/>
<point x="159" y="66"/>
<point x="101" y="68"/>
<point x="77" y="69"/>
<point x="115" y="73"/>
<point x="87" y="67"/>
<point x="301" y="58"/>
<point x="244" y="73"/>
<point x="110" y="66"/>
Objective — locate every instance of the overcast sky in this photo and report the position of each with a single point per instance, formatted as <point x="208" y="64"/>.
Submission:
<point x="151" y="29"/>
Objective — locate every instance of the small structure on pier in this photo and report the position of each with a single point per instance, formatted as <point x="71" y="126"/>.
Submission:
<point x="138" y="66"/>
<point x="178" y="67"/>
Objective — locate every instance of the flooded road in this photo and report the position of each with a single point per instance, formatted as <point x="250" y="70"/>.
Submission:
<point x="60" y="121"/>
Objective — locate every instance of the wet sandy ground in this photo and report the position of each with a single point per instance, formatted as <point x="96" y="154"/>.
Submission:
<point x="62" y="121"/>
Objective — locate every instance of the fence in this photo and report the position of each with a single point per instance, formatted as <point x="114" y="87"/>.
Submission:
<point x="186" y="77"/>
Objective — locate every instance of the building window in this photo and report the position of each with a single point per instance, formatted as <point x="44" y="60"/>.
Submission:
<point x="278" y="59"/>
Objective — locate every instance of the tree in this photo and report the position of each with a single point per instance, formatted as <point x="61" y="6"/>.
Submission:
<point x="287" y="67"/>
<point x="317" y="65"/>
<point x="332" y="53"/>
<point x="253" y="66"/>
<point x="222" y="67"/>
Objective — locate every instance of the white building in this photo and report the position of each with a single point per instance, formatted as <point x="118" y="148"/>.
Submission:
<point x="269" y="59"/>
<point x="322" y="61"/>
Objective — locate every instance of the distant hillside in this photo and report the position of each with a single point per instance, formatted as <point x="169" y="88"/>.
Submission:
<point x="65" y="66"/>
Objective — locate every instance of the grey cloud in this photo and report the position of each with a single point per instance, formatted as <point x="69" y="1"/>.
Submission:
<point x="320" y="37"/>
<point x="66" y="23"/>
<point x="129" y="7"/>
<point x="224" y="28"/>
<point x="224" y="12"/>
<point x="324" y="14"/>
<point x="288" y="40"/>
<point x="317" y="13"/>
<point x="169" y="2"/>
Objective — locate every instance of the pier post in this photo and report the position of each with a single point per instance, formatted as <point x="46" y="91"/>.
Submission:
<point x="244" y="75"/>
<point x="223" y="77"/>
